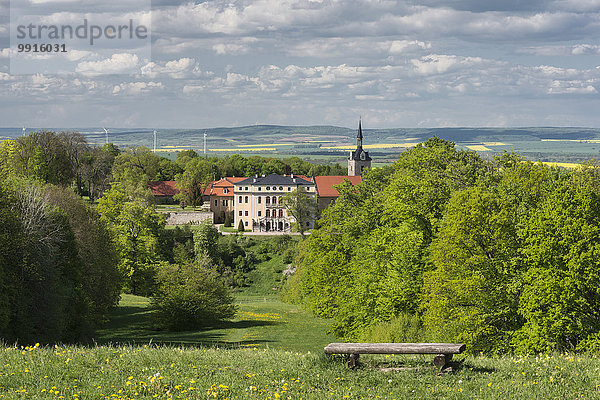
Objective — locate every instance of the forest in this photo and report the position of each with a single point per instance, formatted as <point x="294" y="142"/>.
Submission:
<point x="443" y="246"/>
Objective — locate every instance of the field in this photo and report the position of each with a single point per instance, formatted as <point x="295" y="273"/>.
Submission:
<point x="330" y="144"/>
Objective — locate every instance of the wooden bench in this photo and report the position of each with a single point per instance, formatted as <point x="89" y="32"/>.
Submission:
<point x="443" y="351"/>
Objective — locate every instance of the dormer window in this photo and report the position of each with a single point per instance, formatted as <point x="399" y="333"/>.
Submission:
<point x="268" y="187"/>
<point x="225" y="190"/>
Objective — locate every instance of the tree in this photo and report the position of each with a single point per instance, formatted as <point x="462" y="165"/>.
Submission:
<point x="561" y="295"/>
<point x="191" y="296"/>
<point x="301" y="206"/>
<point x="198" y="173"/>
<point x="136" y="229"/>
<point x="240" y="227"/>
<point x="472" y="295"/>
<point x="134" y="168"/>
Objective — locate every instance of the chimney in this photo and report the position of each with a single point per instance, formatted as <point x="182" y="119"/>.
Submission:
<point x="292" y="176"/>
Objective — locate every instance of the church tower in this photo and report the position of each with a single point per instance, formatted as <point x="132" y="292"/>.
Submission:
<point x="359" y="159"/>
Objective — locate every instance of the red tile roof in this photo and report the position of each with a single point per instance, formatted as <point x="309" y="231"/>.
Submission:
<point x="163" y="188"/>
<point x="215" y="188"/>
<point x="325" y="184"/>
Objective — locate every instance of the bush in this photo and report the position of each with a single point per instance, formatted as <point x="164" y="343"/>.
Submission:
<point x="227" y="223"/>
<point x="405" y="328"/>
<point x="241" y="226"/>
<point x="191" y="296"/>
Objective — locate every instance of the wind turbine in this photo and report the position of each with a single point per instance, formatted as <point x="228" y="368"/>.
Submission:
<point x="204" y="142"/>
<point x="106" y="133"/>
<point x="23" y="132"/>
<point x="155" y="141"/>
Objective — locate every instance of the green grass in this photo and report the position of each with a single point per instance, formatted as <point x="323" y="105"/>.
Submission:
<point x="261" y="321"/>
<point x="166" y="372"/>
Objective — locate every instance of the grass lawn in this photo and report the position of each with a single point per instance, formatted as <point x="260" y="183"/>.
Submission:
<point x="166" y="372"/>
<point x="261" y="321"/>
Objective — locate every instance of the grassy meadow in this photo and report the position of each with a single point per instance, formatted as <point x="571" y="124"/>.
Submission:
<point x="271" y="350"/>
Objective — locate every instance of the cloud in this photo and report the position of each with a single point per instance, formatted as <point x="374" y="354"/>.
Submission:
<point x="118" y="64"/>
<point x="176" y="69"/>
<point x="136" y="88"/>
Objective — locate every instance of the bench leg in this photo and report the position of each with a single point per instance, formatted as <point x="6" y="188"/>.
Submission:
<point x="353" y="360"/>
<point x="441" y="360"/>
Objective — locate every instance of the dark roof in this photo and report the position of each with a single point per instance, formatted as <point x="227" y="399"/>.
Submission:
<point x="356" y="155"/>
<point x="359" y="136"/>
<point x="276" y="179"/>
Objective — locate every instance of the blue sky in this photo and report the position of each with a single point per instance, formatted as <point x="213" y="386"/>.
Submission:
<point x="430" y="63"/>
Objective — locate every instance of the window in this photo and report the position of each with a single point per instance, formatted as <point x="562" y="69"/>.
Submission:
<point x="240" y="199"/>
<point x="240" y="213"/>
<point x="274" y="200"/>
<point x="259" y="188"/>
<point x="246" y="223"/>
<point x="268" y="199"/>
<point x="280" y="213"/>
<point x="225" y="190"/>
<point x="245" y="213"/>
<point x="246" y="188"/>
<point x="268" y="213"/>
<point x="239" y="188"/>
<point x="259" y="213"/>
<point x="216" y="203"/>
<point x="258" y="201"/>
<point x="268" y="188"/>
<point x="289" y="189"/>
<point x="224" y="202"/>
<point x="280" y="187"/>
<point x="245" y="199"/>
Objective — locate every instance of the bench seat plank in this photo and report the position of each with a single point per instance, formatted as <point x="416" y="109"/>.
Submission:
<point x="395" y="348"/>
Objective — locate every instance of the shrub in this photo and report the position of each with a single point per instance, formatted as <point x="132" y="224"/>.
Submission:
<point x="191" y="296"/>
<point x="227" y="223"/>
<point x="404" y="328"/>
<point x="241" y="226"/>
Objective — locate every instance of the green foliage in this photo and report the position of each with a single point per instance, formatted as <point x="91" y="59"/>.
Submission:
<point x="403" y="328"/>
<point x="365" y="262"/>
<point x="471" y="296"/>
<point x="191" y="296"/>
<point x="57" y="265"/>
<point x="205" y="241"/>
<point x="136" y="229"/>
<point x="301" y="206"/>
<point x="561" y="290"/>
<point x="240" y="227"/>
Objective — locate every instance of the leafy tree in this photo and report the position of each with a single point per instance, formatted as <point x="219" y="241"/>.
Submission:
<point x="136" y="229"/>
<point x="205" y="241"/>
<point x="198" y="173"/>
<point x="561" y="294"/>
<point x="134" y="168"/>
<point x="472" y="296"/>
<point x="240" y="227"/>
<point x="301" y="206"/>
<point x="191" y="296"/>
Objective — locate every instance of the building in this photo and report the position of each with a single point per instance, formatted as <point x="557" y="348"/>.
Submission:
<point x="359" y="159"/>
<point x="327" y="193"/>
<point x="220" y="195"/>
<point x="163" y="191"/>
<point x="258" y="201"/>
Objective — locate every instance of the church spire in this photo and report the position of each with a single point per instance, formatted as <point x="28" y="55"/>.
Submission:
<point x="359" y="137"/>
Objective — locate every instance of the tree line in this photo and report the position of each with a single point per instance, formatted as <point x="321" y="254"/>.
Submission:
<point x="443" y="246"/>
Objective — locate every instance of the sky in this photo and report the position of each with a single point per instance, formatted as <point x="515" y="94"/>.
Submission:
<point x="404" y="64"/>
